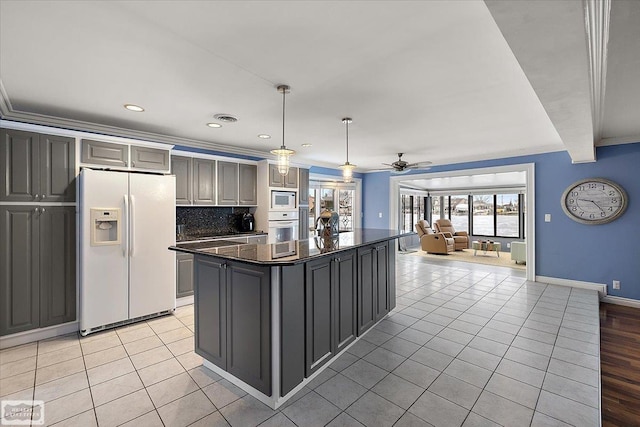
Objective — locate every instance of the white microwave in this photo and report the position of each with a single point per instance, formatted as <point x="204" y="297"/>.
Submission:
<point x="283" y="199"/>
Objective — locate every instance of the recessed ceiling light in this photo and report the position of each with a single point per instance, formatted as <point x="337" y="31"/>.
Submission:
<point x="264" y="136"/>
<point x="132" y="107"/>
<point x="214" y="125"/>
<point x="307" y="145"/>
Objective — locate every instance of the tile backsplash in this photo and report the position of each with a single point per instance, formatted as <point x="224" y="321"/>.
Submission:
<point x="210" y="221"/>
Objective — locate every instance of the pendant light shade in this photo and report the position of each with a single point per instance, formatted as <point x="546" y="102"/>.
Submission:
<point x="347" y="168"/>
<point x="283" y="152"/>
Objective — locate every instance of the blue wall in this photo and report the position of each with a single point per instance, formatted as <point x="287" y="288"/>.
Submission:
<point x="564" y="248"/>
<point x="375" y="200"/>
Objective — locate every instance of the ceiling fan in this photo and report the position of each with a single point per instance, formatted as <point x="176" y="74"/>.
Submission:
<point x="400" y="166"/>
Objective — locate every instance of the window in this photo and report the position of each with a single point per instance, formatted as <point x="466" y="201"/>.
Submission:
<point x="335" y="196"/>
<point x="435" y="208"/>
<point x="412" y="209"/>
<point x="345" y="210"/>
<point x="507" y="218"/>
<point x="405" y="206"/>
<point x="458" y="210"/>
<point x="483" y="218"/>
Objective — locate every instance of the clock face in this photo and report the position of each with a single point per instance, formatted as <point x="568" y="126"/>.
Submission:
<point x="594" y="201"/>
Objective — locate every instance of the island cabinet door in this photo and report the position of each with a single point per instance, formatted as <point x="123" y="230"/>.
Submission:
<point x="382" y="280"/>
<point x="249" y="324"/>
<point x="320" y="325"/>
<point x="345" y="299"/>
<point x="367" y="288"/>
<point x="210" y="309"/>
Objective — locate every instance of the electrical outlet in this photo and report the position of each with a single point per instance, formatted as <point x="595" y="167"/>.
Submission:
<point x="616" y="284"/>
<point x="508" y="245"/>
<point x="547" y="217"/>
<point x="379" y="214"/>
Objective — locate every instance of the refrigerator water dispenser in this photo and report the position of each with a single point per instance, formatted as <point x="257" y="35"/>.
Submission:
<point x="105" y="226"/>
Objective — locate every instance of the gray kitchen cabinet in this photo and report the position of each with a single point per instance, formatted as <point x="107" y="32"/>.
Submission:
<point x="227" y="183"/>
<point x="346" y="285"/>
<point x="20" y="269"/>
<point x="233" y="314"/>
<point x="204" y="177"/>
<point x="36" y="167"/>
<point x="330" y="294"/>
<point x="210" y="310"/>
<point x="303" y="229"/>
<point x="149" y="158"/>
<point x="182" y="168"/>
<point x="303" y="185"/>
<point x="248" y="184"/>
<point x="367" y="292"/>
<point x="290" y="180"/>
<point x="57" y="265"/>
<point x="37" y="261"/>
<point x="184" y="275"/>
<point x="382" y="280"/>
<point x="104" y="153"/>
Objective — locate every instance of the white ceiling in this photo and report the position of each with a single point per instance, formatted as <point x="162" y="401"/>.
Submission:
<point x="441" y="81"/>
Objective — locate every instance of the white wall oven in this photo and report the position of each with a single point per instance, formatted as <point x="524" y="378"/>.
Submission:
<point x="283" y="226"/>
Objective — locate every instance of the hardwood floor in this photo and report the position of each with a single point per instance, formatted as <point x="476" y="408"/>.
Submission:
<point x="620" y="365"/>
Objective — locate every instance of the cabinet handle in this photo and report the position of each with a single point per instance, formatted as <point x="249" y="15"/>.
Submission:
<point x="35" y="197"/>
<point x="42" y="196"/>
<point x="43" y="210"/>
<point x="133" y="164"/>
<point x="224" y="266"/>
<point x="36" y="210"/>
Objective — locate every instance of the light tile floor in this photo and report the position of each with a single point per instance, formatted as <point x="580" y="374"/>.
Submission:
<point x="467" y="344"/>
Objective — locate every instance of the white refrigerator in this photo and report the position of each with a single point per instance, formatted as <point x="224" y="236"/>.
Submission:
<point x="127" y="222"/>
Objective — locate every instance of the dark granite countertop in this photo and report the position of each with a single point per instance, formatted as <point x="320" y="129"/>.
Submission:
<point x="222" y="235"/>
<point x="289" y="253"/>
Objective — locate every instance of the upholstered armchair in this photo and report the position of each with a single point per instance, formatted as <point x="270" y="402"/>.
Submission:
<point x="432" y="242"/>
<point x="461" y="238"/>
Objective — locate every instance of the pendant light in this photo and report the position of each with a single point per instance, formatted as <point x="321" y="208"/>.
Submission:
<point x="347" y="168"/>
<point x="283" y="152"/>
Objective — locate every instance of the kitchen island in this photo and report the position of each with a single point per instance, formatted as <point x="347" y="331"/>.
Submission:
<point x="270" y="317"/>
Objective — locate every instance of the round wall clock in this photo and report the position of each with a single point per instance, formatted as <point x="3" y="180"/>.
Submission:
<point x="594" y="201"/>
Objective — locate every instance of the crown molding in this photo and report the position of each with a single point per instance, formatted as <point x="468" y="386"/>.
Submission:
<point x="618" y="140"/>
<point x="597" y="15"/>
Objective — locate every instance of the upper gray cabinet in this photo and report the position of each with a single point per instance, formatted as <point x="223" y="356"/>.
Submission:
<point x="202" y="182"/>
<point x="248" y="184"/>
<point x="204" y="176"/>
<point x="124" y="156"/>
<point x="290" y="180"/>
<point x="104" y="153"/>
<point x="36" y="167"/>
<point x="182" y="168"/>
<point x="227" y="183"/>
<point x="303" y="185"/>
<point x="149" y="158"/>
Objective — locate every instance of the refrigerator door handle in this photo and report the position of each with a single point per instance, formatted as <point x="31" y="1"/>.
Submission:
<point x="132" y="231"/>
<point x="126" y="214"/>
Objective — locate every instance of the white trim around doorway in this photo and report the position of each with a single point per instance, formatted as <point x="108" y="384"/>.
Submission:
<point x="528" y="168"/>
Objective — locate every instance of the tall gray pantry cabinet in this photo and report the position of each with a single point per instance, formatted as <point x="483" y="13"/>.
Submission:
<point x="37" y="239"/>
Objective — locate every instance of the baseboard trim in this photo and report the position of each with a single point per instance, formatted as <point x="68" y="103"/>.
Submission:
<point x="621" y="301"/>
<point x="37" y="334"/>
<point x="601" y="288"/>
<point x="180" y="302"/>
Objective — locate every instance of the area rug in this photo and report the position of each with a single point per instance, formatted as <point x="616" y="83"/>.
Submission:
<point x="466" y="255"/>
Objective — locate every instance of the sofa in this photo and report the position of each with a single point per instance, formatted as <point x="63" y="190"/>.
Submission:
<point x="432" y="242"/>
